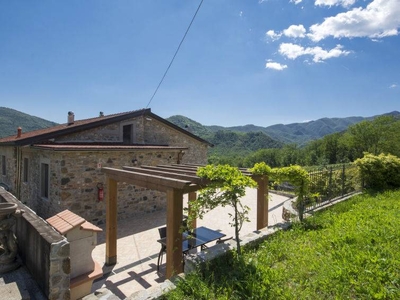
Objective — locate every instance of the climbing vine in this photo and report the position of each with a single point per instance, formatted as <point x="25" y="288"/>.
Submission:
<point x="226" y="186"/>
<point x="295" y="174"/>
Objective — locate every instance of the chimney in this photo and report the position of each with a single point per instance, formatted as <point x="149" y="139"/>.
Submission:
<point x="19" y="132"/>
<point x="101" y="114"/>
<point x="71" y="118"/>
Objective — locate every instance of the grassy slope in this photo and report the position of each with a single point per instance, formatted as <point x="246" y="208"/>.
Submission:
<point x="351" y="251"/>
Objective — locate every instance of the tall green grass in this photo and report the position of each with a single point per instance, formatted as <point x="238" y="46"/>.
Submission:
<point x="350" y="251"/>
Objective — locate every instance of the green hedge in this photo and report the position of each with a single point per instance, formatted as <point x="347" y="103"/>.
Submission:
<point x="380" y="172"/>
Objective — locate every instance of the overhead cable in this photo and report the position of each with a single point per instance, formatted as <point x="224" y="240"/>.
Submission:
<point x="176" y="52"/>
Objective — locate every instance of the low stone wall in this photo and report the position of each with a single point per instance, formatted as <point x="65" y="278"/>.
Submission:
<point x="43" y="251"/>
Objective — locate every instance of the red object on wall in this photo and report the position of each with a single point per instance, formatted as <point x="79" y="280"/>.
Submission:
<point x="100" y="192"/>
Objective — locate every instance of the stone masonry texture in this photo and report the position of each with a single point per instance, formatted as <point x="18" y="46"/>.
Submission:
<point x="74" y="175"/>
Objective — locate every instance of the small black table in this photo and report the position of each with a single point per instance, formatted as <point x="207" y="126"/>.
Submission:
<point x="199" y="237"/>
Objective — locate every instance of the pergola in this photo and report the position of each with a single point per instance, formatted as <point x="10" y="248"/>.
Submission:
<point x="175" y="180"/>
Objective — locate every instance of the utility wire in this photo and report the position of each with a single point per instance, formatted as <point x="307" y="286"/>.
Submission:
<point x="176" y="52"/>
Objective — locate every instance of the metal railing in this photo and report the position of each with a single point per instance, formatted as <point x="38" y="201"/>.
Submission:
<point x="332" y="182"/>
<point x="327" y="183"/>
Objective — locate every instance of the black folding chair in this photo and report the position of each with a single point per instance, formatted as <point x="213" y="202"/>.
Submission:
<point x="163" y="234"/>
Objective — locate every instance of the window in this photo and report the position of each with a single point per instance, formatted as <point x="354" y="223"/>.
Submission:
<point x="26" y="169"/>
<point x="44" y="180"/>
<point x="3" y="165"/>
<point x="127" y="134"/>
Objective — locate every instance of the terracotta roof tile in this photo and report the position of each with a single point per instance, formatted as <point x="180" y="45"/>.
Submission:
<point x="59" y="224"/>
<point x="71" y="218"/>
<point x="89" y="226"/>
<point x="65" y="221"/>
<point x="43" y="135"/>
<point x="65" y="126"/>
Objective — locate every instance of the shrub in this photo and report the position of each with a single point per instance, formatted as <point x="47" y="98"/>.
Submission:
<point x="380" y="172"/>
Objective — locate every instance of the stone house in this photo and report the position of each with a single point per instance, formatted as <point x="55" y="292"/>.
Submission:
<point x="59" y="168"/>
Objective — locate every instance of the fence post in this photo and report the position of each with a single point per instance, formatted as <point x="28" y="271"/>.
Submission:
<point x="343" y="179"/>
<point x="330" y="184"/>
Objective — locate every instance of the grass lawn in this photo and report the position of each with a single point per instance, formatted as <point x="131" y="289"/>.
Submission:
<point x="350" y="251"/>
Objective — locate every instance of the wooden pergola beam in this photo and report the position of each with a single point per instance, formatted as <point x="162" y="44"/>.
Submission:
<point x="174" y="181"/>
<point x="111" y="222"/>
<point x="162" y="172"/>
<point x="174" y="236"/>
<point x="146" y="180"/>
<point x="262" y="202"/>
<point x="171" y="169"/>
<point x="192" y="198"/>
<point x="181" y="167"/>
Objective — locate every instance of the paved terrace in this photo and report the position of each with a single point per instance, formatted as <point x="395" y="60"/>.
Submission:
<point x="138" y="249"/>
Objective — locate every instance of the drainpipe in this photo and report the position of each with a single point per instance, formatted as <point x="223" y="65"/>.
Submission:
<point x="18" y="154"/>
<point x="180" y="156"/>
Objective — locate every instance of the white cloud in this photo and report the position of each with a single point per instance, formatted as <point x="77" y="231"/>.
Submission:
<point x="273" y="35"/>
<point x="344" y="3"/>
<point x="296" y="1"/>
<point x="295" y="31"/>
<point x="275" y="66"/>
<point x="381" y="18"/>
<point x="240" y="14"/>
<point x="293" y="51"/>
<point x="393" y="86"/>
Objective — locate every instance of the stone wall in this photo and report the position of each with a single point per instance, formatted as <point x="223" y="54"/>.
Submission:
<point x="106" y="133"/>
<point x="74" y="178"/>
<point x="74" y="175"/>
<point x="43" y="251"/>
<point x="157" y="132"/>
<point x="147" y="131"/>
<point x="9" y="179"/>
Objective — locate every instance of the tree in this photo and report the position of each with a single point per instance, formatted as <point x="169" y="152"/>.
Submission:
<point x="375" y="137"/>
<point x="269" y="156"/>
<point x="226" y="186"/>
<point x="289" y="155"/>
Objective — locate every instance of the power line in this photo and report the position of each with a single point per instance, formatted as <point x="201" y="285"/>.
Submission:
<point x="176" y="52"/>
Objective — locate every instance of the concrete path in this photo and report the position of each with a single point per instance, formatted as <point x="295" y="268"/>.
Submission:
<point x="137" y="246"/>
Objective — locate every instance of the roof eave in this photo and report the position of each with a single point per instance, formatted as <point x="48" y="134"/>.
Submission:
<point x="74" y="129"/>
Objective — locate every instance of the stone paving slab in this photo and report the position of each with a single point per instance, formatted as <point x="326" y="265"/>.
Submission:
<point x="19" y="284"/>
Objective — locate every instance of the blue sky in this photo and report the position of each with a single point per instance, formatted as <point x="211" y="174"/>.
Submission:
<point x="242" y="62"/>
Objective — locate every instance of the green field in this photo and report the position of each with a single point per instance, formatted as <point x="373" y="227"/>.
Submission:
<point x="350" y="251"/>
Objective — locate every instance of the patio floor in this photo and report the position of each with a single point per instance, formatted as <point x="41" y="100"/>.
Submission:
<point x="137" y="246"/>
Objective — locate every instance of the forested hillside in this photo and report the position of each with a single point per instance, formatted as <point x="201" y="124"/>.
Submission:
<point x="294" y="133"/>
<point x="250" y="144"/>
<point x="11" y="119"/>
<point x="380" y="135"/>
<point x="227" y="143"/>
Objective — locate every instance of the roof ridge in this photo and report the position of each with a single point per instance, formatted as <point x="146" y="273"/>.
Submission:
<point x="29" y="135"/>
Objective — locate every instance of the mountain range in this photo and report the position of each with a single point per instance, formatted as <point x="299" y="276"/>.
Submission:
<point x="299" y="133"/>
<point x="249" y="137"/>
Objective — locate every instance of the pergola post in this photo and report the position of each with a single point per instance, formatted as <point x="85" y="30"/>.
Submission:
<point x="174" y="235"/>
<point x="111" y="222"/>
<point x="262" y="202"/>
<point x="192" y="197"/>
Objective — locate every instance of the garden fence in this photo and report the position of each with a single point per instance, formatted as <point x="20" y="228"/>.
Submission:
<point x="328" y="183"/>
